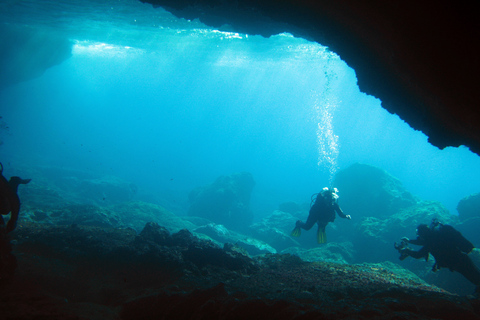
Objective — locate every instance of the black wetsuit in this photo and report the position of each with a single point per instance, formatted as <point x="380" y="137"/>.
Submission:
<point x="450" y="250"/>
<point x="322" y="212"/>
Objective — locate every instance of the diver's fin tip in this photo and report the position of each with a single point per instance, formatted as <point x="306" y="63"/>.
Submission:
<point x="296" y="232"/>
<point x="321" y="237"/>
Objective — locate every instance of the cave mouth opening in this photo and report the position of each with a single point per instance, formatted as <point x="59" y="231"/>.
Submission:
<point x="171" y="104"/>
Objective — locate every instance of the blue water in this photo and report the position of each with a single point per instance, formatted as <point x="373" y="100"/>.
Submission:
<point x="171" y="104"/>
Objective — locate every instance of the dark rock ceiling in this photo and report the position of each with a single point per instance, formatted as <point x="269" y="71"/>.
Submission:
<point x="419" y="57"/>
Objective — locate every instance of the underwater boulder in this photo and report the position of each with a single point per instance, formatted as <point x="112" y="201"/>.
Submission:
<point x="136" y="214"/>
<point x="292" y="208"/>
<point x="40" y="197"/>
<point x="221" y="235"/>
<point x="275" y="230"/>
<point x="226" y="201"/>
<point x="368" y="191"/>
<point x="469" y="207"/>
<point x="70" y="213"/>
<point x="331" y="252"/>
<point x="155" y="233"/>
<point x="107" y="191"/>
<point x="469" y="229"/>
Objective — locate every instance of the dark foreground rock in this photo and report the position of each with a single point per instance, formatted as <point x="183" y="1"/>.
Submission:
<point x="73" y="272"/>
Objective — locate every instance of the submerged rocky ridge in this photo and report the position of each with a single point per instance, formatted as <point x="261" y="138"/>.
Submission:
<point x="134" y="259"/>
<point x="72" y="272"/>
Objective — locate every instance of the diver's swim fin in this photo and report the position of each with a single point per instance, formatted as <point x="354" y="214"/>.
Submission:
<point x="321" y="236"/>
<point x="296" y="232"/>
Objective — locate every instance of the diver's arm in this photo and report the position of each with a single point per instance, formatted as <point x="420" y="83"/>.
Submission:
<point x="417" y="242"/>
<point x="422" y="253"/>
<point x="340" y="212"/>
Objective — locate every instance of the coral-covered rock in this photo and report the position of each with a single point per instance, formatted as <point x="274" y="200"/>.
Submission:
<point x="226" y="201"/>
<point x="136" y="214"/>
<point x="331" y="252"/>
<point x="368" y="191"/>
<point x="55" y="210"/>
<point x="469" y="207"/>
<point x="107" y="190"/>
<point x="68" y="213"/>
<point x="275" y="230"/>
<point x="41" y="197"/>
<point x="222" y="235"/>
<point x="67" y="185"/>
<point x="72" y="272"/>
<point x="155" y="233"/>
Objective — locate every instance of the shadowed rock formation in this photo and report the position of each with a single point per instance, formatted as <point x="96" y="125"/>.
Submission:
<point x="370" y="191"/>
<point x="226" y="201"/>
<point x="25" y="53"/>
<point x="469" y="207"/>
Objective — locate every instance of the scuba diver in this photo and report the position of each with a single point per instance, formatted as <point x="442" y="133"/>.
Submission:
<point x="9" y="201"/>
<point x="447" y="245"/>
<point x="321" y="212"/>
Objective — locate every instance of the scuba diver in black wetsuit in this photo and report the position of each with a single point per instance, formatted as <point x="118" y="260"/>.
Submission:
<point x="321" y="212"/>
<point x="9" y="201"/>
<point x="447" y="245"/>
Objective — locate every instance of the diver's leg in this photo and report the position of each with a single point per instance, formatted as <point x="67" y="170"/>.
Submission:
<point x="414" y="254"/>
<point x="309" y="224"/>
<point x="302" y="225"/>
<point x="468" y="269"/>
<point x="321" y="235"/>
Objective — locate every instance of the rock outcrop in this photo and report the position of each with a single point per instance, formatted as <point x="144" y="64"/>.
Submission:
<point x="226" y="201"/>
<point x="469" y="207"/>
<point x="368" y="191"/>
<point x="27" y="52"/>
<point x="73" y="272"/>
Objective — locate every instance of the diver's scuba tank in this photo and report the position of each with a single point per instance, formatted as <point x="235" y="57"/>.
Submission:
<point x="313" y="199"/>
<point x="325" y="191"/>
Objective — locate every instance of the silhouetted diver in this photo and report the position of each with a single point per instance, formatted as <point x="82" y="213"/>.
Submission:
<point x="9" y="201"/>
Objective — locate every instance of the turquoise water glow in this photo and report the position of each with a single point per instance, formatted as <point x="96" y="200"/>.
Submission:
<point x="171" y="104"/>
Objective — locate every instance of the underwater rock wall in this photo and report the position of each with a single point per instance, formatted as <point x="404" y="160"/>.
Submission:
<point x="469" y="214"/>
<point x="27" y="52"/>
<point x="226" y="201"/>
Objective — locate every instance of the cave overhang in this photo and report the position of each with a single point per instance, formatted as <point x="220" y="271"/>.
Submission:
<point x="420" y="59"/>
